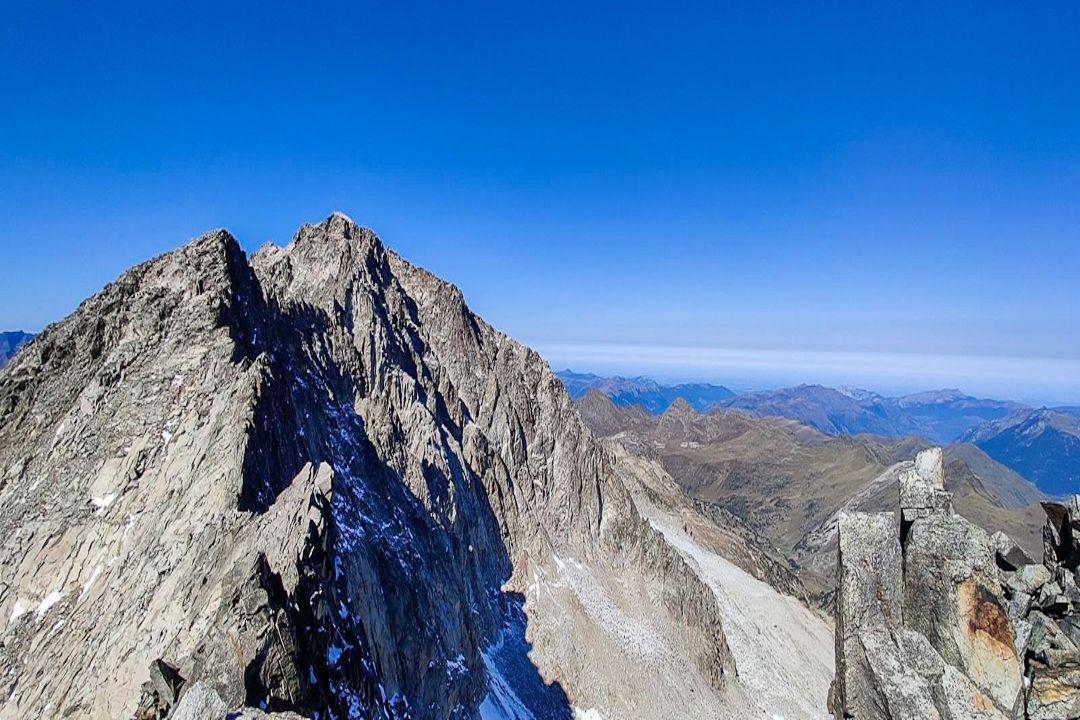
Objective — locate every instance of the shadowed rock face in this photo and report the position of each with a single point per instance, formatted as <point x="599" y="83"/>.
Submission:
<point x="312" y="481"/>
<point x="980" y="632"/>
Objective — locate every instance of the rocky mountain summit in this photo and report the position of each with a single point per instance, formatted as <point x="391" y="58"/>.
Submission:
<point x="312" y="481"/>
<point x="935" y="618"/>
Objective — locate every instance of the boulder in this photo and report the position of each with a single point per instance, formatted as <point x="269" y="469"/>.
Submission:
<point x="202" y="702"/>
<point x="199" y="702"/>
<point x="1019" y="605"/>
<point x="1070" y="626"/>
<point x="924" y="628"/>
<point x="1046" y="636"/>
<point x="166" y="681"/>
<point x="953" y="598"/>
<point x="1029" y="579"/>
<point x="922" y="487"/>
<point x="1010" y="556"/>
<point x="1061" y="534"/>
<point x="1054" y="693"/>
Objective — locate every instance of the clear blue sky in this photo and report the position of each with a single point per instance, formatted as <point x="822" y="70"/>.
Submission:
<point x="604" y="181"/>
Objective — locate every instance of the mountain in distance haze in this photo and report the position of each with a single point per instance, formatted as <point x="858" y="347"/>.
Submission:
<point x="1042" y="445"/>
<point x="940" y="416"/>
<point x="646" y="392"/>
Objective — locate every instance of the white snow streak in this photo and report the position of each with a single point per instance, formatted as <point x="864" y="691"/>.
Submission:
<point x="86" y="585"/>
<point x="104" y="501"/>
<point x="51" y="599"/>
<point x="501" y="703"/>
<point x="590" y="714"/>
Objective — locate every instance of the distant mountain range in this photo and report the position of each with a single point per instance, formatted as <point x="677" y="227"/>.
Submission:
<point x="1040" y="445"/>
<point x="10" y="342"/>
<point x="648" y="393"/>
<point x="941" y="415"/>
<point x="787" y="481"/>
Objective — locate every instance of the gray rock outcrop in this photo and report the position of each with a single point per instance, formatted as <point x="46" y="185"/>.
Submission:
<point x="937" y="619"/>
<point x="1044" y="601"/>
<point x="311" y="481"/>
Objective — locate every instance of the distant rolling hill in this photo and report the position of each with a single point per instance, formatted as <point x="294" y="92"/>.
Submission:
<point x="646" y="392"/>
<point x="10" y="342"/>
<point x="1042" y="445"/>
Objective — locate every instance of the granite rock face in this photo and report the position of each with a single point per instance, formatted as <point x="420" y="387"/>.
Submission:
<point x="937" y="619"/>
<point x="311" y="481"/>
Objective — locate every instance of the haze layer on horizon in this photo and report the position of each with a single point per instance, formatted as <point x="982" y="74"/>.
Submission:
<point x="826" y="185"/>
<point x="1035" y="381"/>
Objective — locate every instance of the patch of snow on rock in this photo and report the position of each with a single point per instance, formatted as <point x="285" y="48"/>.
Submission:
<point x="51" y="599"/>
<point x="589" y="714"/>
<point x="87" y="585"/>
<point x="501" y="703"/>
<point x="104" y="501"/>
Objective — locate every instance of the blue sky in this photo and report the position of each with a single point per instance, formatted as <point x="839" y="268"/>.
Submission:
<point x="624" y="186"/>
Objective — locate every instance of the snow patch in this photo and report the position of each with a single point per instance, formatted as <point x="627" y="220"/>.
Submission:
<point x="104" y="501"/>
<point x="86" y="585"/>
<point x="501" y="703"/>
<point x="51" y="599"/>
<point x="333" y="654"/>
<point x="591" y="714"/>
<point x="17" y="611"/>
<point x="456" y="667"/>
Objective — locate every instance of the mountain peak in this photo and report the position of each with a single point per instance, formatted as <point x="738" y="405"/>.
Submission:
<point x="303" y="430"/>
<point x="680" y="406"/>
<point x="336" y="229"/>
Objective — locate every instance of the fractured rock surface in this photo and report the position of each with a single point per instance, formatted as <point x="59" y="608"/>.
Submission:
<point x="936" y="619"/>
<point x="313" y="481"/>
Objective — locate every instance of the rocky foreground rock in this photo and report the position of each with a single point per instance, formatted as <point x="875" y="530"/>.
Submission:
<point x="935" y="618"/>
<point x="312" y="481"/>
